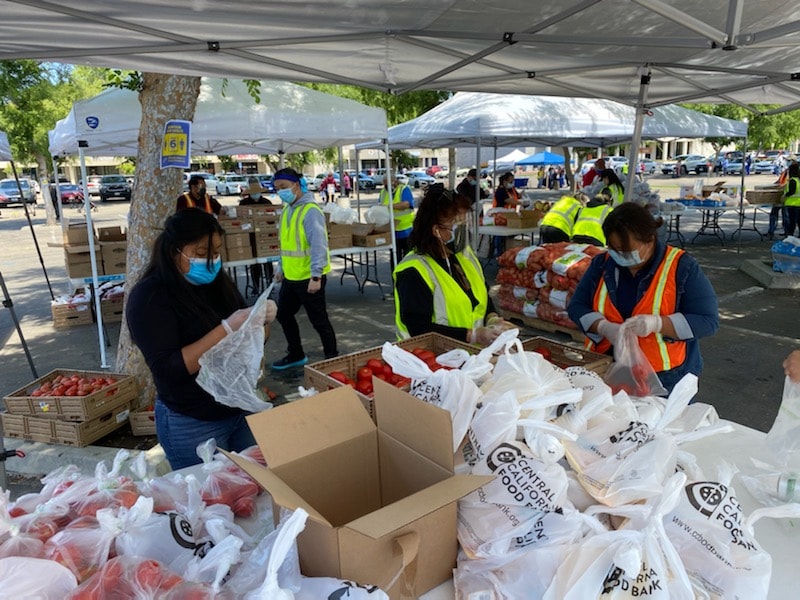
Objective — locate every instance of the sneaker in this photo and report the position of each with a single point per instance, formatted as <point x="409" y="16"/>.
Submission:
<point x="287" y="363"/>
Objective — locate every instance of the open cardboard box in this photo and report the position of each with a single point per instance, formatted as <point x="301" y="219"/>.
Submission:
<point x="381" y="497"/>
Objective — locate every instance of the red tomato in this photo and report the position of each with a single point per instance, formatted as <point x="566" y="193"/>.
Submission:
<point x="338" y="376"/>
<point x="426" y="355"/>
<point x="73" y="391"/>
<point x="544" y="352"/>
<point x="364" y="373"/>
<point x="402" y="382"/>
<point x="417" y="351"/>
<point x="387" y="370"/>
<point x="37" y="392"/>
<point x="59" y="391"/>
<point x="363" y="386"/>
<point x="381" y="376"/>
<point x="375" y="364"/>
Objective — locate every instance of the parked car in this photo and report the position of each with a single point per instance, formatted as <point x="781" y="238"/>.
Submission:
<point x="377" y="176"/>
<point x="266" y="182"/>
<point x="114" y="187"/>
<point x="689" y="163"/>
<point x="70" y="193"/>
<point x="419" y="178"/>
<point x="211" y="181"/>
<point x="647" y="166"/>
<point x="363" y="180"/>
<point x="9" y="192"/>
<point x="433" y="170"/>
<point x="316" y="183"/>
<point x="734" y="167"/>
<point x="93" y="184"/>
<point x="229" y="185"/>
<point x="766" y="165"/>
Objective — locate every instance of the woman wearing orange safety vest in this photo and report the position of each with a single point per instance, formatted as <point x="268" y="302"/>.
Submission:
<point x="654" y="290"/>
<point x="197" y="197"/>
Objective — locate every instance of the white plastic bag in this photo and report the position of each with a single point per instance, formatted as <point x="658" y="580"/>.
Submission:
<point x="317" y="588"/>
<point x="34" y="578"/>
<point x="229" y="371"/>
<point x="784" y="436"/>
<point x="450" y="389"/>
<point x="343" y="215"/>
<point x="378" y="215"/>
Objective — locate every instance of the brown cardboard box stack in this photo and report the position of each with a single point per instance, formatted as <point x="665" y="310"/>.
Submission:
<point x="253" y="232"/>
<point x="340" y="235"/>
<point x="114" y="249"/>
<point x="266" y="223"/>
<point x="525" y="219"/>
<point x="234" y="227"/>
<point x="77" y="257"/>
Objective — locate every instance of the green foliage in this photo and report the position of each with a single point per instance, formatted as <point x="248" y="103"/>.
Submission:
<point x="125" y="80"/>
<point x="228" y="163"/>
<point x="763" y="131"/>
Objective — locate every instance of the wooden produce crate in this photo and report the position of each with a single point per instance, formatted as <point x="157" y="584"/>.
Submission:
<point x="73" y="408"/>
<point x="565" y="356"/>
<point x="53" y="431"/>
<point x="765" y="196"/>
<point x="112" y="310"/>
<point x="75" y="314"/>
<point x="143" y="421"/>
<point x="316" y="374"/>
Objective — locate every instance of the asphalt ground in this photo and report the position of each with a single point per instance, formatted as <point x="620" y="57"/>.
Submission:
<point x="743" y="377"/>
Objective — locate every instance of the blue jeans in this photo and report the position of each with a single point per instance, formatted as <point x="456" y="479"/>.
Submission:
<point x="180" y="435"/>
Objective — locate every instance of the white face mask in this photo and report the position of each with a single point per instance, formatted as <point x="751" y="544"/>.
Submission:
<point x="626" y="259"/>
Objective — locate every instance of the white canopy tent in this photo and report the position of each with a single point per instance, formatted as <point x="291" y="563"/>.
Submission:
<point x="288" y="118"/>
<point x="505" y="162"/>
<point x="715" y="50"/>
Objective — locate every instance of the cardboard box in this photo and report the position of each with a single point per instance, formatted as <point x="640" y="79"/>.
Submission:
<point x="235" y="224"/>
<point x="265" y="225"/>
<point x="237" y="240"/>
<point x="111" y="234"/>
<point x="78" y="262"/>
<point x="254" y="211"/>
<point x="381" y="497"/>
<point x="76" y="234"/>
<point x="114" y="253"/>
<point x="524" y="219"/>
<point x="267" y="250"/>
<point x="112" y="310"/>
<point x="238" y="253"/>
<point x="377" y="239"/>
<point x="335" y="229"/>
<point x="340" y="241"/>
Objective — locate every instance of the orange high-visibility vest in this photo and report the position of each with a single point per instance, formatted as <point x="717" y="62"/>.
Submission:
<point x="661" y="298"/>
<point x="190" y="203"/>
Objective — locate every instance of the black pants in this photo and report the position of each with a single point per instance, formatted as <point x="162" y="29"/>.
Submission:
<point x="792" y="219"/>
<point x="293" y="295"/>
<point x="549" y="234"/>
<point x="403" y="247"/>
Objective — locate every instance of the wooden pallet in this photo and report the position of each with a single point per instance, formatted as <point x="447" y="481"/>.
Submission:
<point x="539" y="324"/>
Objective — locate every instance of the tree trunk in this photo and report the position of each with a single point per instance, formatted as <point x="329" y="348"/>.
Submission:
<point x="162" y="97"/>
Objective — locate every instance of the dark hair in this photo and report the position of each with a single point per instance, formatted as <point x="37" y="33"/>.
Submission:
<point x="186" y="227"/>
<point x="472" y="173"/>
<point x="195" y="179"/>
<point x="438" y="204"/>
<point x="612" y="177"/>
<point x="506" y="175"/>
<point x="629" y="220"/>
<point x="794" y="169"/>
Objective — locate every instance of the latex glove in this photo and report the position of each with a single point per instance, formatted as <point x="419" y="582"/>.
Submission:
<point x="272" y="311"/>
<point x="236" y="320"/>
<point x="791" y="366"/>
<point x="497" y="322"/>
<point x="483" y="336"/>
<point x="314" y="286"/>
<point x="277" y="277"/>
<point x="609" y="330"/>
<point x="643" y="325"/>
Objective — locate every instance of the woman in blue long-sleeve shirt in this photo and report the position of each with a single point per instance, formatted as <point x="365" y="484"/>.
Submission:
<point x="657" y="291"/>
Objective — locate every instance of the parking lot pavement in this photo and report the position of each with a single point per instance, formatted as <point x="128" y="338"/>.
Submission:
<point x="742" y="377"/>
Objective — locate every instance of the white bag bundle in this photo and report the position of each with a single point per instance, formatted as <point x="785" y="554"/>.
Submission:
<point x="624" y="461"/>
<point x="539" y="385"/>
<point x="637" y="561"/>
<point x="450" y="389"/>
<point x="34" y="578"/>
<point x="229" y="371"/>
<point x="495" y="421"/>
<point x="525" y="505"/>
<point x="378" y="215"/>
<point x="316" y="588"/>
<point x="784" y="436"/>
<point x="715" y="541"/>
<point x="343" y="215"/>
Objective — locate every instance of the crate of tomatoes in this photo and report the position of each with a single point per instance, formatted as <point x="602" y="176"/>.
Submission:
<point x="70" y="395"/>
<point x="565" y="356"/>
<point x="358" y="368"/>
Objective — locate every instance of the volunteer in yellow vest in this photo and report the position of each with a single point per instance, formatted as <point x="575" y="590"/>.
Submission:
<point x="557" y="223"/>
<point x="791" y="199"/>
<point x="196" y="197"/>
<point x="403" y="206"/>
<point x="588" y="228"/>
<point x="654" y="290"/>
<point x="439" y="285"/>
<point x="305" y="262"/>
<point x="612" y="187"/>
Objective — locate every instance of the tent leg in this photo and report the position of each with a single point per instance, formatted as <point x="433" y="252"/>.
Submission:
<point x="389" y="195"/>
<point x="644" y="84"/>
<point x="33" y="233"/>
<point x="95" y="292"/>
<point x="741" y="198"/>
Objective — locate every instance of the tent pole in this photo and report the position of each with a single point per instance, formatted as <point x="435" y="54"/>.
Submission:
<point x="59" y="199"/>
<point x="741" y="199"/>
<point x="33" y="233"/>
<point x="390" y="198"/>
<point x="281" y="155"/>
<point x="478" y="173"/>
<point x="356" y="186"/>
<point x="341" y="171"/>
<point x="644" y="85"/>
<point x="87" y="203"/>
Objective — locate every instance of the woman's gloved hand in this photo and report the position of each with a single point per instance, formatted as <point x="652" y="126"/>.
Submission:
<point x="495" y="321"/>
<point x="643" y="325"/>
<point x="609" y="330"/>
<point x="483" y="336"/>
<point x="272" y="311"/>
<point x="236" y="320"/>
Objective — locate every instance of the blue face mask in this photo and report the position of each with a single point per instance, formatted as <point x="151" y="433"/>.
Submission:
<point x="200" y="273"/>
<point x="626" y="259"/>
<point x="286" y="195"/>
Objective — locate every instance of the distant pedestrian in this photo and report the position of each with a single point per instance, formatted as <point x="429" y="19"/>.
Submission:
<point x="346" y="184"/>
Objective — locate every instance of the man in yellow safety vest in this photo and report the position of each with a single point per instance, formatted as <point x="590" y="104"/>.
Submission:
<point x="403" y="207"/>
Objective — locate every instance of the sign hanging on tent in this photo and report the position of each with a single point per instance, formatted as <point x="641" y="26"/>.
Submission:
<point x="176" y="144"/>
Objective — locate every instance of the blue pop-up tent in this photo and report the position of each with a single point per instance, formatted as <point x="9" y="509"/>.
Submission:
<point x="541" y="159"/>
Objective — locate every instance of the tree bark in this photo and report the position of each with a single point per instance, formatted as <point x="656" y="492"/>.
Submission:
<point x="162" y="97"/>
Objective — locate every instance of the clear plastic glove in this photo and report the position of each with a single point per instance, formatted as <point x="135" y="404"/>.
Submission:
<point x="483" y="336"/>
<point x="609" y="330"/>
<point x="495" y="321"/>
<point x="278" y="276"/>
<point x="272" y="311"/>
<point x="236" y="320"/>
<point x="643" y="325"/>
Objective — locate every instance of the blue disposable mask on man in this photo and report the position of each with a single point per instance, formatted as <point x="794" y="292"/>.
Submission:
<point x="255" y="196"/>
<point x="200" y="273"/>
<point x="286" y="195"/>
<point x="473" y="182"/>
<point x="626" y="259"/>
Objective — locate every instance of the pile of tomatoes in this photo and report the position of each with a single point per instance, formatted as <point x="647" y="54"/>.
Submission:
<point x="72" y="385"/>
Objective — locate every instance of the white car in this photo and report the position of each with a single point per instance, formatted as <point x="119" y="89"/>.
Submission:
<point x="211" y="181"/>
<point x="648" y="166"/>
<point x="228" y="185"/>
<point x="419" y="178"/>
